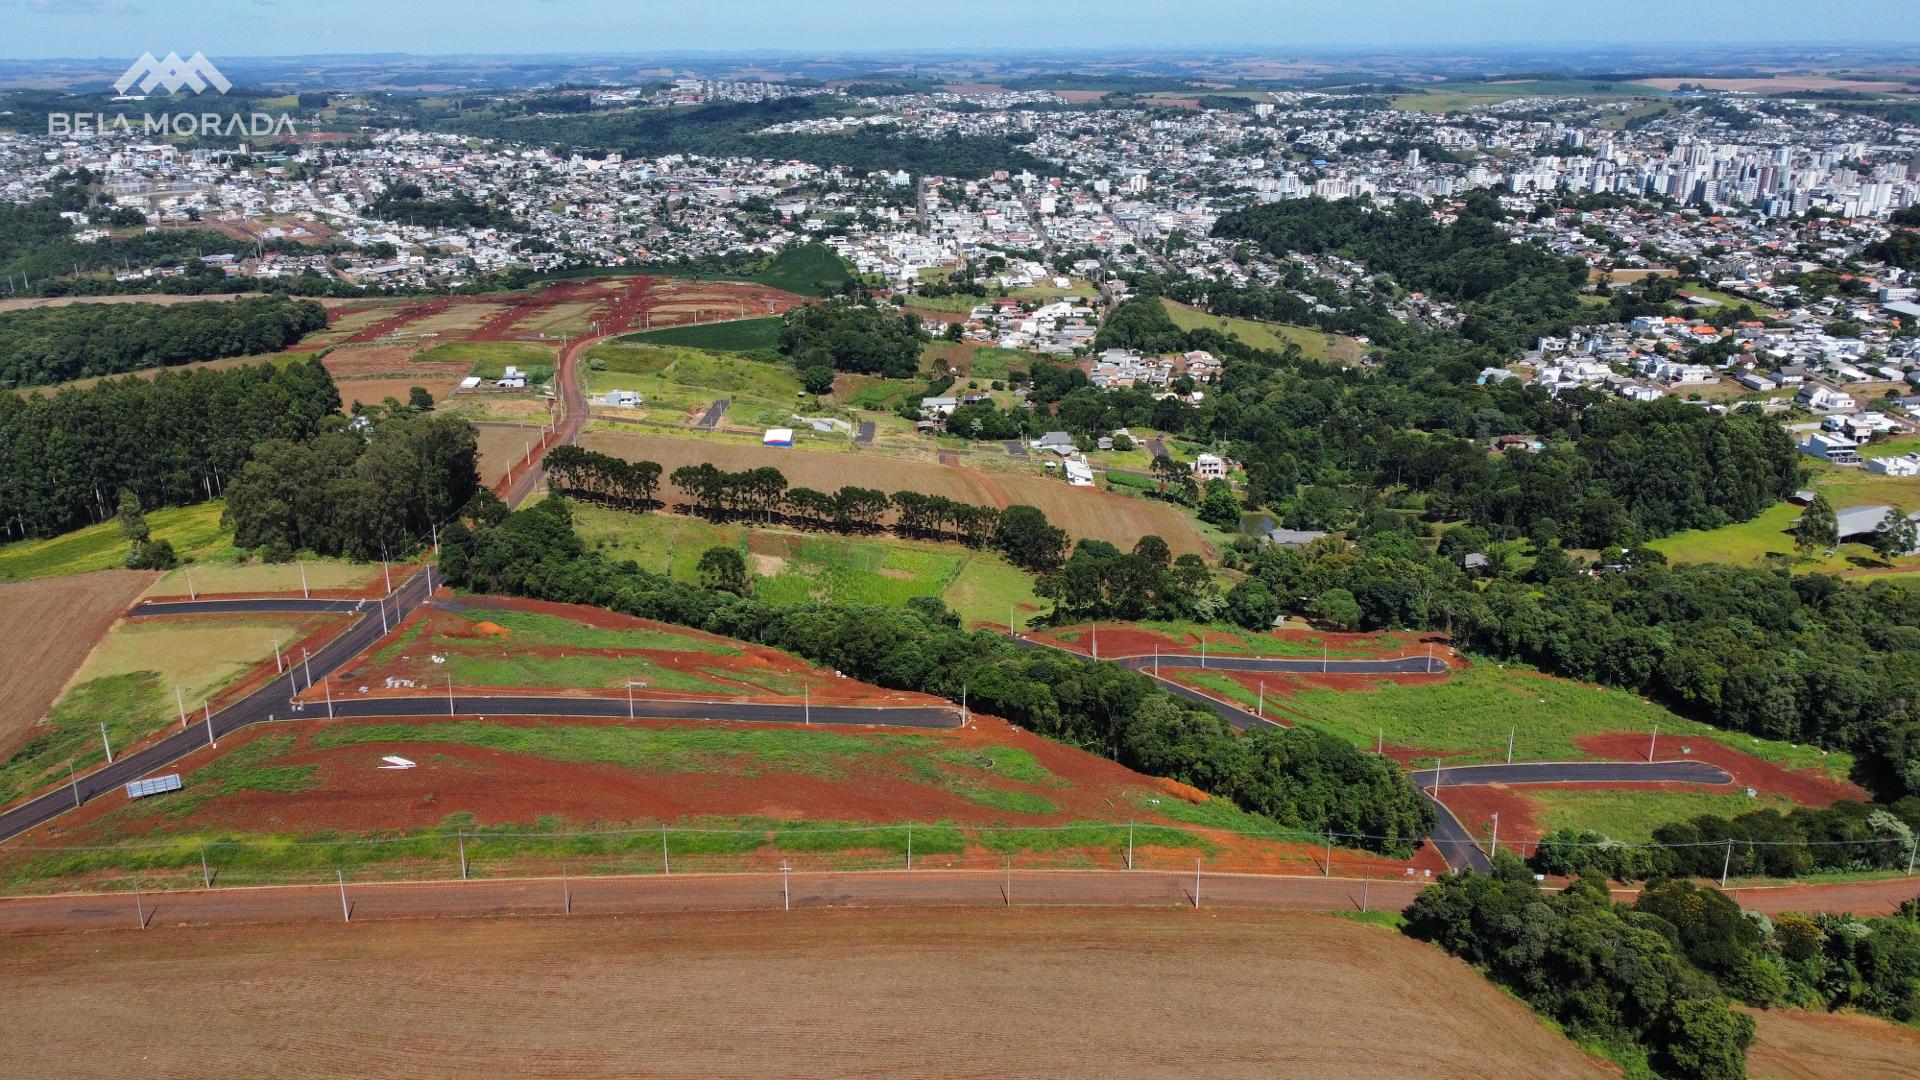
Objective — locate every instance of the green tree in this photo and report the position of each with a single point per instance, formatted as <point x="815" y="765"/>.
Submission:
<point x="1818" y="529"/>
<point x="133" y="523"/>
<point x="817" y="379"/>
<point x="419" y="400"/>
<point x="1896" y="535"/>
<point x="1337" y="608"/>
<point x="725" y="569"/>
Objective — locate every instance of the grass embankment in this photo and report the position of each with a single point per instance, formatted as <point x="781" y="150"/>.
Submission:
<point x="1315" y="344"/>
<point x="978" y="585"/>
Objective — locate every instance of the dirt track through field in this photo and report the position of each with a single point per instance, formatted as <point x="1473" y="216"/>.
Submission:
<point x="943" y="994"/>
<point x="38" y="664"/>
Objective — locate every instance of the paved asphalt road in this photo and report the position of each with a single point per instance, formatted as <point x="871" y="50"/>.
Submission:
<point x="272" y="700"/>
<point x="933" y="716"/>
<point x="240" y="604"/>
<point x="714" y="412"/>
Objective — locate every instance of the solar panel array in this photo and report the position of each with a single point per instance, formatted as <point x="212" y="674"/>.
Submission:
<point x="140" y="789"/>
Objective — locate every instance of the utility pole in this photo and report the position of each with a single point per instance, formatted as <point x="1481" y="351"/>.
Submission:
<point x="306" y="663"/>
<point x="449" y="695"/>
<point x="1436" y="778"/>
<point x="1323" y="654"/>
<point x="461" y="839"/>
<point x="303" y="582"/>
<point x="180" y="699"/>
<point x="106" y="743"/>
<point x="74" y="781"/>
<point x="327" y="688"/>
<point x="207" y="711"/>
<point x="806" y="702"/>
<point x="206" y="875"/>
<point x="1326" y="868"/>
<point x="909" y="847"/>
<point x="1196" y="884"/>
<point x="346" y="913"/>
<point x="191" y="594"/>
<point x="1260" y="707"/>
<point x="666" y="862"/>
<point x="1511" y="730"/>
<point x="1727" y="863"/>
<point x="1496" y="835"/>
<point x="786" y="886"/>
<point x="279" y="665"/>
<point x="1653" y="743"/>
<point x="139" y="906"/>
<point x="1129" y="845"/>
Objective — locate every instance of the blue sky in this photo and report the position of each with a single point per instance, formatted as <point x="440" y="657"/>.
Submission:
<point x="112" y="28"/>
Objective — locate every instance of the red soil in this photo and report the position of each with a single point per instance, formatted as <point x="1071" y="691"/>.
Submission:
<point x="1805" y="786"/>
<point x="1121" y="640"/>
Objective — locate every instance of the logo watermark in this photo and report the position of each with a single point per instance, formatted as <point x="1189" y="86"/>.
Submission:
<point x="171" y="74"/>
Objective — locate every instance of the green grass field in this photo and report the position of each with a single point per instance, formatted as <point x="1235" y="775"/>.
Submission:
<point x="676" y="380"/>
<point x="1765" y="541"/>
<point x="737" y="335"/>
<point x="534" y="629"/>
<point x="1632" y="815"/>
<point x="489" y="359"/>
<point x="1467" y="718"/>
<point x="1270" y="335"/>
<point x="791" y="567"/>
<point x="194" y="531"/>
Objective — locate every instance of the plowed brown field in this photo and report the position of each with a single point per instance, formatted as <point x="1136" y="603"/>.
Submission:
<point x="1081" y="512"/>
<point x="815" y="993"/>
<point x="1795" y="1045"/>
<point x="38" y="663"/>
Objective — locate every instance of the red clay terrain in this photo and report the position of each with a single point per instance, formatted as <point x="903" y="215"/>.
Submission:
<point x="1806" y="787"/>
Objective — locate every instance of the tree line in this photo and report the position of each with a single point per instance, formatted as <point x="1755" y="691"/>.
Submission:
<point x="174" y="439"/>
<point x="1846" y="836"/>
<point x="1298" y="777"/>
<point x="364" y="492"/>
<point x="46" y="345"/>
<point x="1021" y="533"/>
<point x="1654" y="982"/>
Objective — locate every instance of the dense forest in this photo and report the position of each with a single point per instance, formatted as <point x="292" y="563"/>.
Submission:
<point x="40" y="346"/>
<point x="409" y="205"/>
<point x="362" y="494"/>
<point x="1510" y="293"/>
<point x="1655" y="982"/>
<point x="173" y="439"/>
<point x="852" y="337"/>
<point x="1300" y="778"/>
<point x="731" y="130"/>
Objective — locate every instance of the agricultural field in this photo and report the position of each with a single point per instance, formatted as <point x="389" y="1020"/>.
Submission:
<point x="194" y="531"/>
<point x="678" y="383"/>
<point x="1795" y="1044"/>
<point x="490" y="359"/>
<point x="39" y="663"/>
<point x="222" y="364"/>
<point x="737" y="335"/>
<point x="1081" y="512"/>
<point x="1374" y="1002"/>
<point x="980" y="586"/>
<point x="372" y="373"/>
<point x="252" y="577"/>
<point x="128" y="683"/>
<point x="1765" y="540"/>
<point x="1317" y="345"/>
